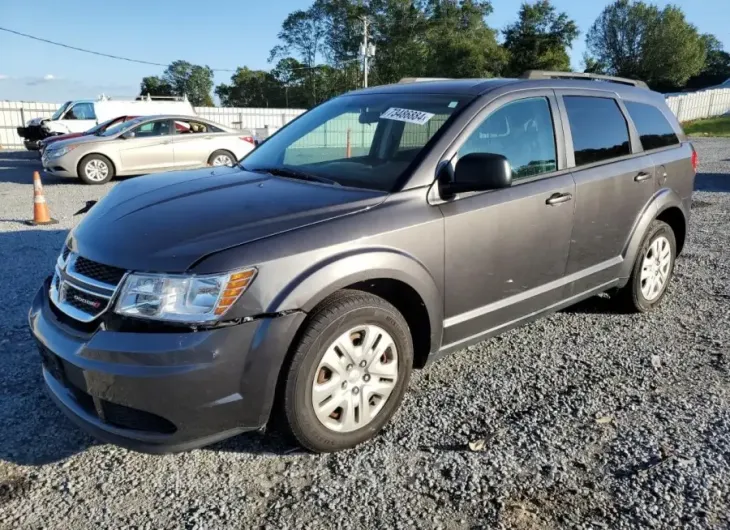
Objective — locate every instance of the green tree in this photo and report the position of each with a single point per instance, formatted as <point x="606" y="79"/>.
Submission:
<point x="717" y="64"/>
<point x="251" y="88"/>
<point x="459" y="43"/>
<point x="192" y="80"/>
<point x="638" y="40"/>
<point x="154" y="86"/>
<point x="539" y="39"/>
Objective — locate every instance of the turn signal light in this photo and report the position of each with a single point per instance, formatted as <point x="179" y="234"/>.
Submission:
<point x="237" y="283"/>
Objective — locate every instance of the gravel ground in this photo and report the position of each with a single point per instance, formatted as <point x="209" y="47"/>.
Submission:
<point x="588" y="419"/>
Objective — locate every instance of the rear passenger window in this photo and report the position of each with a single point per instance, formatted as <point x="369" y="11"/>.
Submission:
<point x="521" y="131"/>
<point x="654" y="129"/>
<point x="598" y="128"/>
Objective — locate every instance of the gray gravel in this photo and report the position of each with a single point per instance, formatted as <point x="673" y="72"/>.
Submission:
<point x="588" y="419"/>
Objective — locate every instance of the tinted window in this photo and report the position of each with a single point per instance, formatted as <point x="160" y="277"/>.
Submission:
<point x="653" y="127"/>
<point x="152" y="128"/>
<point x="523" y="132"/>
<point x="598" y="127"/>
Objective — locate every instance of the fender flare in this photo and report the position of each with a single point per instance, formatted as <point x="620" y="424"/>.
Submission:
<point x="321" y="279"/>
<point x="662" y="200"/>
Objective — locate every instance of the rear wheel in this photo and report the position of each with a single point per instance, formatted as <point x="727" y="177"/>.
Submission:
<point x="221" y="158"/>
<point x="652" y="270"/>
<point x="95" y="169"/>
<point x="348" y="373"/>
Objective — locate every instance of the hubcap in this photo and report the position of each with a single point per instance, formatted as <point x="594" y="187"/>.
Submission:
<point x="354" y="378"/>
<point x="96" y="170"/>
<point x="222" y="160"/>
<point x="655" y="268"/>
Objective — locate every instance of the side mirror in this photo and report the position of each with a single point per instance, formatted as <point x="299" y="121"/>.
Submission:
<point x="478" y="172"/>
<point x="127" y="135"/>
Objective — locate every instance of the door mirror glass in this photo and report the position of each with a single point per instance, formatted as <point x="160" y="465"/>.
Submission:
<point x="129" y="134"/>
<point x="479" y="172"/>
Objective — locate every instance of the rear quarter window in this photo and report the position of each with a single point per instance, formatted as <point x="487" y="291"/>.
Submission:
<point x="654" y="129"/>
<point x="598" y="128"/>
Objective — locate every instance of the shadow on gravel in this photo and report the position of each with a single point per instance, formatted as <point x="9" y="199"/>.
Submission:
<point x="716" y="182"/>
<point x="595" y="305"/>
<point x="260" y="443"/>
<point x="34" y="431"/>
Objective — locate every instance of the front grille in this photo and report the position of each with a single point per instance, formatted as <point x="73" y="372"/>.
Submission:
<point x="83" y="301"/>
<point x="97" y="271"/>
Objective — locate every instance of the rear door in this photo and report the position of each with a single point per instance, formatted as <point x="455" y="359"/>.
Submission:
<point x="614" y="183"/>
<point x="193" y="142"/>
<point x="506" y="249"/>
<point x="149" y="149"/>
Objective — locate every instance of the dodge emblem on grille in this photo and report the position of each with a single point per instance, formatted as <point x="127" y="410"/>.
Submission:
<point x="91" y="303"/>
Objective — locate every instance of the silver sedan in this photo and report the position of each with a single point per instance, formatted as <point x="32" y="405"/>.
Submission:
<point x="148" y="144"/>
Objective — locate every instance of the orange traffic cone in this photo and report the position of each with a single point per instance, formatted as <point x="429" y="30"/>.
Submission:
<point x="41" y="216"/>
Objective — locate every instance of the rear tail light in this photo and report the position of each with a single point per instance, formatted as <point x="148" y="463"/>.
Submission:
<point x="695" y="159"/>
<point x="249" y="139"/>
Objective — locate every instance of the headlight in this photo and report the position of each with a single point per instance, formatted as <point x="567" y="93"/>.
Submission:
<point x="182" y="298"/>
<point x="56" y="153"/>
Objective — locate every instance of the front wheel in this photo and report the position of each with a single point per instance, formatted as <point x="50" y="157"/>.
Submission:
<point x="348" y="373"/>
<point x="221" y="158"/>
<point x="652" y="270"/>
<point x="96" y="169"/>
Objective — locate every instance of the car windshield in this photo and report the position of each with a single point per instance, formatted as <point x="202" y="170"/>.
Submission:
<point x="98" y="128"/>
<point x="60" y="111"/>
<point x="363" y="140"/>
<point x="119" y="127"/>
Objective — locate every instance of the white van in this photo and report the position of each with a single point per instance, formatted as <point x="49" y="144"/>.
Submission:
<point x="83" y="114"/>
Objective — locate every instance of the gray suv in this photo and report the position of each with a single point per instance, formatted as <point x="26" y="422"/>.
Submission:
<point x="373" y="234"/>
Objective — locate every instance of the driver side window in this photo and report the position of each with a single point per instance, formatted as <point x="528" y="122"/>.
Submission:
<point x="521" y="131"/>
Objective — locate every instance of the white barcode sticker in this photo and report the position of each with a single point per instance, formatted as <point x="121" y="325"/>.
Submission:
<point x="411" y="116"/>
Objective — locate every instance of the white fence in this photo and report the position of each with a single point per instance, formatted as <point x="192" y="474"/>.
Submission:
<point x="698" y="105"/>
<point x="13" y="114"/>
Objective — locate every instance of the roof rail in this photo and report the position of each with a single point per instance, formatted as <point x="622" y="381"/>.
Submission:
<point x="147" y="97"/>
<point x="546" y="74"/>
<point x="419" y="79"/>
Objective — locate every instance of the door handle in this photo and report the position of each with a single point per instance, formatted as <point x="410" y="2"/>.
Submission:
<point x="642" y="177"/>
<point x="558" y="198"/>
<point x="208" y="137"/>
<point x="167" y="142"/>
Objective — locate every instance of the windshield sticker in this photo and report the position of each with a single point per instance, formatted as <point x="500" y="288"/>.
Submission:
<point x="411" y="116"/>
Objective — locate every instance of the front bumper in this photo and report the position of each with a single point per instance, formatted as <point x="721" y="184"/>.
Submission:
<point x="57" y="166"/>
<point x="167" y="391"/>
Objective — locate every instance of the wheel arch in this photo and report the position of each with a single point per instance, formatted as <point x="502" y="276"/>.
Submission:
<point x="666" y="206"/>
<point x="396" y="277"/>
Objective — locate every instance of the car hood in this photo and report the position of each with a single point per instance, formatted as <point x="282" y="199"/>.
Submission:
<point x="167" y="222"/>
<point x="81" y="139"/>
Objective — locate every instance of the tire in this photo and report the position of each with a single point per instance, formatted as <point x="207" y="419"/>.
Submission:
<point x="358" y="316"/>
<point x="91" y="169"/>
<point x="633" y="297"/>
<point x="216" y="158"/>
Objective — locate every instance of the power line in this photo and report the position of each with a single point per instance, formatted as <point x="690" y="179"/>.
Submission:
<point x="110" y="56"/>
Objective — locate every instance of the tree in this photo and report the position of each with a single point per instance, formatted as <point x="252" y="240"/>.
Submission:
<point x="251" y="88"/>
<point x="539" y="38"/>
<point x="638" y="40"/>
<point x="459" y="43"/>
<point x="191" y="80"/>
<point x="717" y="64"/>
<point x="154" y="86"/>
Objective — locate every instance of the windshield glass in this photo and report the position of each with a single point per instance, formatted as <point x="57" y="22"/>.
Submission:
<point x="119" y="127"/>
<point x="103" y="125"/>
<point x="366" y="141"/>
<point x="60" y="111"/>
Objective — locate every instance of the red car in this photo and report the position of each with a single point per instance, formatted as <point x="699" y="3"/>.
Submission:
<point x="96" y="129"/>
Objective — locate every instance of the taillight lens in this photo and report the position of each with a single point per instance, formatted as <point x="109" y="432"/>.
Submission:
<point x="248" y="139"/>
<point x="695" y="160"/>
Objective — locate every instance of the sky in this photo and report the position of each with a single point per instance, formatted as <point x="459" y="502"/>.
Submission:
<point x="223" y="34"/>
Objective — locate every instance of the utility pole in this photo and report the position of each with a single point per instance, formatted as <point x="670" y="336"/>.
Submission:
<point x="367" y="50"/>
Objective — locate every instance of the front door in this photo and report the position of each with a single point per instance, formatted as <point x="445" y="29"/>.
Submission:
<point x="148" y="148"/>
<point x="614" y="183"/>
<point x="79" y="118"/>
<point x="506" y="250"/>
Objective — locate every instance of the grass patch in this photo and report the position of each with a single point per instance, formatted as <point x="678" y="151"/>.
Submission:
<point x="719" y="126"/>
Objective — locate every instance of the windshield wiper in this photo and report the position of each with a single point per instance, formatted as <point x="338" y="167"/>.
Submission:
<point x="295" y="174"/>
